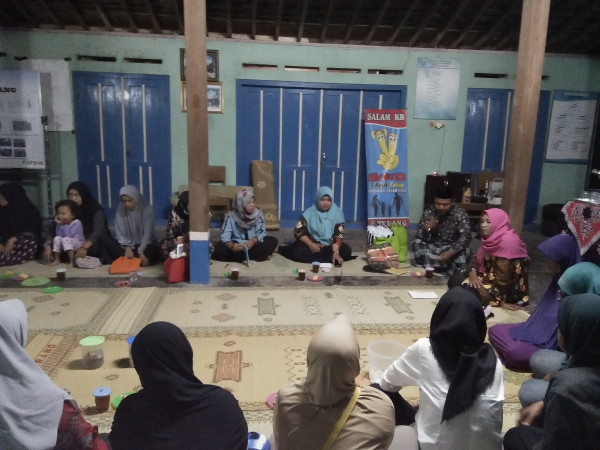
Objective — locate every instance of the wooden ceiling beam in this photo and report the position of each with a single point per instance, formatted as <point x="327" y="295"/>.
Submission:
<point x="278" y="19"/>
<point x="229" y="27"/>
<point x="375" y="24"/>
<point x="482" y="9"/>
<point x="507" y="13"/>
<point x="57" y="22"/>
<point x="425" y="22"/>
<point x="254" y="12"/>
<point x="450" y="23"/>
<point x="75" y="9"/>
<point x="25" y="13"/>
<point x="132" y="25"/>
<point x="355" y="13"/>
<point x="400" y="26"/>
<point x="326" y="20"/>
<point x="178" y="15"/>
<point x="103" y="16"/>
<point x="302" y="21"/>
<point x="155" y="23"/>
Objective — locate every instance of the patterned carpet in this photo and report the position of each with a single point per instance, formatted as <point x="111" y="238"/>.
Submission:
<point x="250" y="340"/>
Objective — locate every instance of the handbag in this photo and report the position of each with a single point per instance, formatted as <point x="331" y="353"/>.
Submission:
<point x="125" y="265"/>
<point x="177" y="269"/>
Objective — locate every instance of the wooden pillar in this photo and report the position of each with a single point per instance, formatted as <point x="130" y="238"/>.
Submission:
<point x="530" y="62"/>
<point x="197" y="133"/>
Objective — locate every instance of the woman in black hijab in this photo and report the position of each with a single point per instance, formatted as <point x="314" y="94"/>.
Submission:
<point x="459" y="377"/>
<point x="178" y="227"/>
<point x="20" y="226"/>
<point x="175" y="409"/>
<point x="99" y="242"/>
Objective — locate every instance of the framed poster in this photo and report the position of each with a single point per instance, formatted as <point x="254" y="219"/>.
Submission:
<point x="571" y="126"/>
<point x="214" y="93"/>
<point x="212" y="64"/>
<point x="438" y="81"/>
<point x="21" y="131"/>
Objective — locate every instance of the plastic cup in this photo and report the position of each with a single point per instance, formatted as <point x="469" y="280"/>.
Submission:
<point x="133" y="275"/>
<point x="102" y="398"/>
<point x="235" y="273"/>
<point x="92" y="351"/>
<point x="130" y="341"/>
<point x="429" y="272"/>
<point x="301" y="274"/>
<point x="315" y="266"/>
<point x="381" y="354"/>
<point x="61" y="274"/>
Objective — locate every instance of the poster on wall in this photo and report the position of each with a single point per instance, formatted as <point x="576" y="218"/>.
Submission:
<point x="386" y="150"/>
<point x="55" y="85"/>
<point x="438" y="82"/>
<point x="21" y="132"/>
<point x="571" y="126"/>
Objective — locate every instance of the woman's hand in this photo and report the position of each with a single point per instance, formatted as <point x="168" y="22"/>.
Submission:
<point x="82" y="252"/>
<point x="235" y="246"/>
<point x="474" y="280"/>
<point x="529" y="415"/>
<point x="8" y="247"/>
<point x="251" y="243"/>
<point x="129" y="253"/>
<point x="337" y="259"/>
<point x="47" y="255"/>
<point x="314" y="247"/>
<point x="145" y="261"/>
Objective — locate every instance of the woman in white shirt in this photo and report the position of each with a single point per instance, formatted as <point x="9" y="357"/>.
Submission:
<point x="460" y="380"/>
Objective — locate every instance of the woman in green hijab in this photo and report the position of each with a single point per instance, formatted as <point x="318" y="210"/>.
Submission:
<point x="569" y="415"/>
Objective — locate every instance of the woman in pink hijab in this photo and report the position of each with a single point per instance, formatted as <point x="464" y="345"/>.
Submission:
<point x="500" y="269"/>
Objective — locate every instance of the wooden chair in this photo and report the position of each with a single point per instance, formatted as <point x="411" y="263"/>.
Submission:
<point x="218" y="205"/>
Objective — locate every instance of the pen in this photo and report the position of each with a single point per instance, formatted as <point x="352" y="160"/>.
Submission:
<point x="226" y="266"/>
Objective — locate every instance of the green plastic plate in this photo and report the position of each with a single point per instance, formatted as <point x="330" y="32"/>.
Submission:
<point x="36" y="281"/>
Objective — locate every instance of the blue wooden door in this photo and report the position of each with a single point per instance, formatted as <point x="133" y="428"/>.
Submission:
<point x="313" y="133"/>
<point x="486" y="138"/>
<point x="123" y="136"/>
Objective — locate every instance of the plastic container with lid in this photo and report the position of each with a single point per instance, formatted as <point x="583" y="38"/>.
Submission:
<point x="92" y="351"/>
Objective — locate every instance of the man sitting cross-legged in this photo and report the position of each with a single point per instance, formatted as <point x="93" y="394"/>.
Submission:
<point x="443" y="236"/>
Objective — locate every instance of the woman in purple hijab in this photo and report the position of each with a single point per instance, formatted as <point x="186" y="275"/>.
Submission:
<point x="515" y="343"/>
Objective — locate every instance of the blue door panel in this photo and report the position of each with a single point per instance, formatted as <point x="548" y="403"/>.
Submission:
<point x="313" y="134"/>
<point x="486" y="135"/>
<point x="107" y="105"/>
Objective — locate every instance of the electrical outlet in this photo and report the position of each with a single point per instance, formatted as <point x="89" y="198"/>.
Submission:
<point x="437" y="124"/>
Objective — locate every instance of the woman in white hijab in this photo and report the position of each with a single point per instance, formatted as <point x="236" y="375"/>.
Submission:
<point x="306" y="412"/>
<point x="134" y="226"/>
<point x="34" y="412"/>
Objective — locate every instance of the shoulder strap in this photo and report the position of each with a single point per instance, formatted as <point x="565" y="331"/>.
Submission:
<point x="342" y="420"/>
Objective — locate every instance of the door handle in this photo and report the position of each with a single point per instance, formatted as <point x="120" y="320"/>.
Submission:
<point x="323" y="157"/>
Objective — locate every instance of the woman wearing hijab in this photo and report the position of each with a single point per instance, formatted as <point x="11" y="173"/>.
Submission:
<point x="178" y="227"/>
<point x="306" y="412"/>
<point x="569" y="415"/>
<point x="20" y="226"/>
<point x="319" y="233"/>
<point x="581" y="278"/>
<point x="500" y="269"/>
<point x="460" y="380"/>
<point x="134" y="226"/>
<point x="174" y="410"/>
<point x="99" y="243"/>
<point x="515" y="343"/>
<point x="35" y="413"/>
<point x="244" y="232"/>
